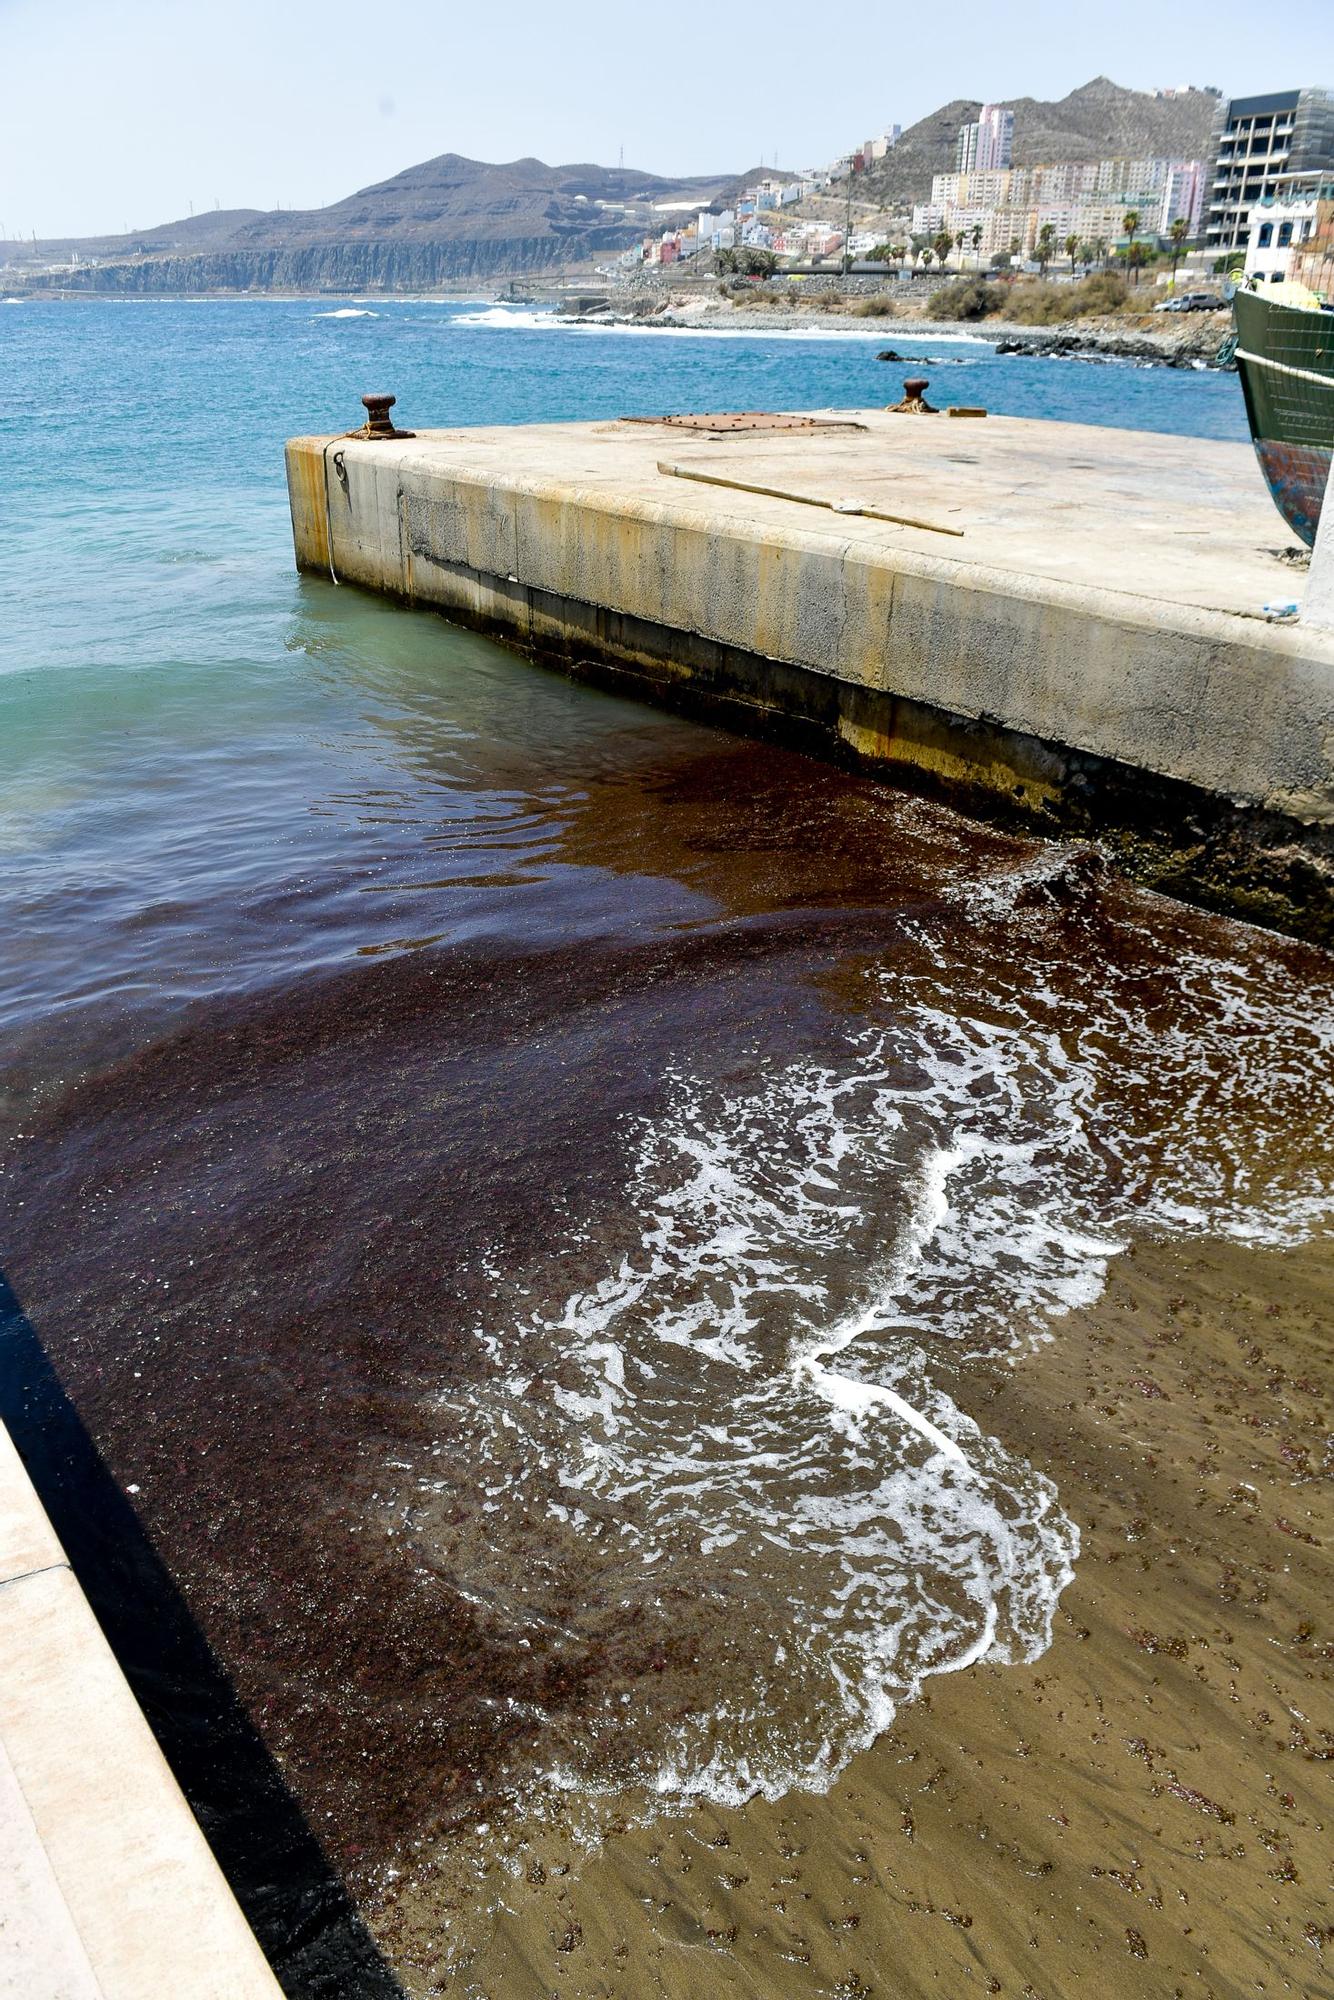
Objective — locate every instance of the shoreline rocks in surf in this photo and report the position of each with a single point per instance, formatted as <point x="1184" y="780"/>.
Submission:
<point x="1194" y="345"/>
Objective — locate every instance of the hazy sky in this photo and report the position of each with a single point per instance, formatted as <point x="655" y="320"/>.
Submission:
<point x="121" y="113"/>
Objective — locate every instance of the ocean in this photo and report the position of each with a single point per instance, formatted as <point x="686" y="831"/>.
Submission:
<point x="506" y="1179"/>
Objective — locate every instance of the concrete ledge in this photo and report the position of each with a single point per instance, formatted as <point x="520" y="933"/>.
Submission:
<point x="1089" y="653"/>
<point x="110" y="1890"/>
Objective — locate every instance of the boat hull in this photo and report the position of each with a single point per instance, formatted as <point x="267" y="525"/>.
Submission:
<point x="1285" y="357"/>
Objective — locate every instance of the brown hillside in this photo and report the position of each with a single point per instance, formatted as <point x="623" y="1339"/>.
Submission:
<point x="1099" y="120"/>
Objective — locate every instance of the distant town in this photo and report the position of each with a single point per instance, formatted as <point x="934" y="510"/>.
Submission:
<point x="1249" y="208"/>
<point x="1228" y="187"/>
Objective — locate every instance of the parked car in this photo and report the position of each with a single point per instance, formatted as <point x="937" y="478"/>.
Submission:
<point x="1190" y="302"/>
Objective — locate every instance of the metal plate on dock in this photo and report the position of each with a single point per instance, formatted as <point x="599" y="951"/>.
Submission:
<point x="748" y="420"/>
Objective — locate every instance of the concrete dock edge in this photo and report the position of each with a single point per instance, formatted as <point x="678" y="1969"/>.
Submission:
<point x="1091" y="656"/>
<point x="110" y="1889"/>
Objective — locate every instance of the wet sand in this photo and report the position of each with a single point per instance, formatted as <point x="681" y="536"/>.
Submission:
<point x="1142" y="1812"/>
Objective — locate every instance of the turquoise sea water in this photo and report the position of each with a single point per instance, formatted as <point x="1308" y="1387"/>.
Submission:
<point x="168" y="687"/>
<point x="501" y="1172"/>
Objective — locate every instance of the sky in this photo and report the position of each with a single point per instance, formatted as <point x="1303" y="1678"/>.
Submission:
<point x="119" y="114"/>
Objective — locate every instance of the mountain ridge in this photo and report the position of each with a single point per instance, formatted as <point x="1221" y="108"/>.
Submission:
<point x="446" y="218"/>
<point x="450" y="218"/>
<point x="1099" y="120"/>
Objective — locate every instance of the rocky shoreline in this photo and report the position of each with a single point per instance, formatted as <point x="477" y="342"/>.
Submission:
<point x="1186" y="341"/>
<point x="1191" y="347"/>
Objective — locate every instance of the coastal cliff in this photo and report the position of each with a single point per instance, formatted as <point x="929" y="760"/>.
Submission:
<point x="446" y="219"/>
<point x="343" y="267"/>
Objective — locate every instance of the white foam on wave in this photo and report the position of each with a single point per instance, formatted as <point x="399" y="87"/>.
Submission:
<point x="348" y="312"/>
<point x="514" y="317"/>
<point x="527" y="320"/>
<point x="741" y="1410"/>
<point x="697" y="1410"/>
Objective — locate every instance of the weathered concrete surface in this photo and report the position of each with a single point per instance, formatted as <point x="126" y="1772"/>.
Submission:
<point x="1099" y="623"/>
<point x="109" y="1889"/>
<point x="1318" y="598"/>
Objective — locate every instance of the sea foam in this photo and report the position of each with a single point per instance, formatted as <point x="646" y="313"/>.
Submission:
<point x="736" y="1429"/>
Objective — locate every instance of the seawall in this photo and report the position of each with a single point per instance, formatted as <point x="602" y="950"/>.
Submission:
<point x="1055" y="623"/>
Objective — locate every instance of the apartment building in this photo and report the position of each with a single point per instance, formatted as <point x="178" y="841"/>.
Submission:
<point x="978" y="190"/>
<point x="1161" y="189"/>
<point x="987" y="145"/>
<point x="1084" y="198"/>
<point x="1183" y="194"/>
<point x="1261" y="144"/>
<point x="876" y="149"/>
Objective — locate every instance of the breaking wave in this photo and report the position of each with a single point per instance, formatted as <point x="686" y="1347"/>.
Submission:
<point x="506" y="316"/>
<point x="733" y="1427"/>
<point x="527" y="319"/>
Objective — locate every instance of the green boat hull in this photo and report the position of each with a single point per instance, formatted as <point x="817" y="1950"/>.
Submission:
<point x="1285" y="357"/>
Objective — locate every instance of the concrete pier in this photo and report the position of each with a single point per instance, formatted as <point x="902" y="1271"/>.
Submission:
<point x="1061" y="623"/>
<point x="109" y="1889"/>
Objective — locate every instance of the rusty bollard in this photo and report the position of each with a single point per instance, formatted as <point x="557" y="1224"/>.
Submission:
<point x="914" y="399"/>
<point x="379" y="423"/>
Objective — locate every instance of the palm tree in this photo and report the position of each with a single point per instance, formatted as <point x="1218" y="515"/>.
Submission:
<point x="898" y="251"/>
<point x="1045" y="243"/>
<point x="1130" y="224"/>
<point x="1071" y="251"/>
<point x="942" y="244"/>
<point x="925" y="259"/>
<point x="1177" y="235"/>
<point x="977" y="234"/>
<point x="1100" y="250"/>
<point x="959" y="242"/>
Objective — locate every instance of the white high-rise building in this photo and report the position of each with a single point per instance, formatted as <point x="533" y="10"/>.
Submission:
<point x="987" y="145"/>
<point x="1183" y="196"/>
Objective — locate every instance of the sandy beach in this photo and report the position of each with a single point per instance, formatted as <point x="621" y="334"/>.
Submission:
<point x="1142" y="1812"/>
